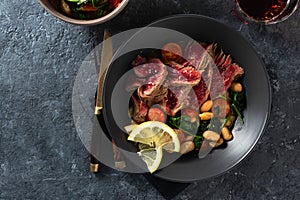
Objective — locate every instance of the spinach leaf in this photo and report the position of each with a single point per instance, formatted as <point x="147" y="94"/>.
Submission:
<point x="238" y="104"/>
<point x="183" y="123"/>
<point x="198" y="142"/>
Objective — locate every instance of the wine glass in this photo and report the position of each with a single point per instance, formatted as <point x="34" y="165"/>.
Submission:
<point x="265" y="11"/>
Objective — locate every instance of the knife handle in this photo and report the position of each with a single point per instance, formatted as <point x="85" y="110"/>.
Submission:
<point x="94" y="164"/>
<point x="98" y="110"/>
<point x="96" y="145"/>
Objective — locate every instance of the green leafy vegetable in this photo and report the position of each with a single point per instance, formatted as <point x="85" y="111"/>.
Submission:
<point x="225" y="121"/>
<point x="78" y="1"/>
<point x="223" y="97"/>
<point x="204" y="125"/>
<point x="183" y="123"/>
<point x="89" y="9"/>
<point x="237" y="104"/>
<point x="198" y="142"/>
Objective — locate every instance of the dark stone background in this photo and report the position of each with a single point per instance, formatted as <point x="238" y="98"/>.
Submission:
<point x="41" y="155"/>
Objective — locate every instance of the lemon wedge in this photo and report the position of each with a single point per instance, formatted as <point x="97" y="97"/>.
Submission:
<point x="130" y="127"/>
<point x="153" y="136"/>
<point x="152" y="157"/>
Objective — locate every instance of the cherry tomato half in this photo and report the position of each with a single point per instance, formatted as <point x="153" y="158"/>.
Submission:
<point x="156" y="114"/>
<point x="114" y="3"/>
<point x="88" y="8"/>
<point x="171" y="52"/>
<point x="192" y="113"/>
<point x="221" y="108"/>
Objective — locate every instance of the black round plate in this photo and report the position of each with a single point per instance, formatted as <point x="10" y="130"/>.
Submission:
<point x="256" y="83"/>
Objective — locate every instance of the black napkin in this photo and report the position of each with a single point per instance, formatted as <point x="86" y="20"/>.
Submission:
<point x="168" y="189"/>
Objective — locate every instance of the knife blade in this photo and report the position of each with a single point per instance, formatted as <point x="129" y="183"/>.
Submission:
<point x="106" y="56"/>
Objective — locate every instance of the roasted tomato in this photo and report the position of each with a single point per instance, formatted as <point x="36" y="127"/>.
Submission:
<point x="171" y="52"/>
<point x="88" y="8"/>
<point x="114" y="3"/>
<point x="156" y="114"/>
<point x="192" y="113"/>
<point x="221" y="108"/>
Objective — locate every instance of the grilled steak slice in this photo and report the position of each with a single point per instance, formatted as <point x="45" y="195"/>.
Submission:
<point x="228" y="69"/>
<point x="159" y="94"/>
<point x="139" y="60"/>
<point x="134" y="82"/>
<point x="155" y="73"/>
<point x="140" y="109"/>
<point x="180" y="75"/>
<point x="226" y="73"/>
<point x="230" y="73"/>
<point x="175" y="65"/>
<point x="199" y="55"/>
<point x="198" y="95"/>
<point x="216" y="79"/>
<point x="173" y="102"/>
<point x="147" y="69"/>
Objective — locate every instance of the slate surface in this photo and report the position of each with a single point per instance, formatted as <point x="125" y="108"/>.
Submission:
<point x="41" y="155"/>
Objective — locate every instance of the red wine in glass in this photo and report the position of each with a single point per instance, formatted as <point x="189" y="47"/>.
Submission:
<point x="262" y="10"/>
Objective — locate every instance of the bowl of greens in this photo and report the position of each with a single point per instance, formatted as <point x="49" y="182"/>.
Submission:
<point x="84" y="12"/>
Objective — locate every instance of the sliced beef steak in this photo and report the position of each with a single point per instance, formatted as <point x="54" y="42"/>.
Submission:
<point x="154" y="72"/>
<point x="198" y="95"/>
<point x="139" y="109"/>
<point x="173" y="102"/>
<point x="133" y="82"/>
<point x="199" y="56"/>
<point x="226" y="73"/>
<point x="139" y="60"/>
<point x="180" y="75"/>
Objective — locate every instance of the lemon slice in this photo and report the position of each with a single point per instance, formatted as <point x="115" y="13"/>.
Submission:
<point x="155" y="134"/>
<point x="152" y="137"/>
<point x="130" y="127"/>
<point x="152" y="157"/>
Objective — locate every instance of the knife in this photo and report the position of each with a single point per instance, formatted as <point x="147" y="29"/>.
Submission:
<point x="106" y="56"/>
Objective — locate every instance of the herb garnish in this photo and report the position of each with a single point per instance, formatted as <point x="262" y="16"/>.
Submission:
<point x="235" y="104"/>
